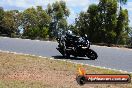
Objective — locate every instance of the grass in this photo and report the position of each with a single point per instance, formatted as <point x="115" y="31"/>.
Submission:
<point x="21" y="71"/>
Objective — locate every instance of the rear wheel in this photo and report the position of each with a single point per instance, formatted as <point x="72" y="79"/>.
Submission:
<point x="92" y="54"/>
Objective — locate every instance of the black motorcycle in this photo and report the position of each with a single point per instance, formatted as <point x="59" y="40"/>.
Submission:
<point x="76" y="46"/>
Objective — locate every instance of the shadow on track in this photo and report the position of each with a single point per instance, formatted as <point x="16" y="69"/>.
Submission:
<point x="71" y="58"/>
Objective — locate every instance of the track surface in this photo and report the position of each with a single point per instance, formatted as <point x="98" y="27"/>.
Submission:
<point x="115" y="58"/>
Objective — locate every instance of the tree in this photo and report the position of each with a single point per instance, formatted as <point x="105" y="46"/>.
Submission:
<point x="122" y="2"/>
<point x="10" y="22"/>
<point x="62" y="24"/>
<point x="92" y="22"/>
<point x="29" y="21"/>
<point x="35" y="20"/>
<point x="80" y="23"/>
<point x="1" y="14"/>
<point x="59" y="13"/>
<point x="130" y="34"/>
<point x="43" y="18"/>
<point x="29" y="18"/>
<point x="49" y="10"/>
<point x="1" y="18"/>
<point x="107" y="20"/>
<point x="122" y="28"/>
<point x="65" y="9"/>
<point x="103" y="24"/>
<point x="43" y="22"/>
<point x="87" y="23"/>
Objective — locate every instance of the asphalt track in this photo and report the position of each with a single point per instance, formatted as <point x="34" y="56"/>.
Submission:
<point x="114" y="58"/>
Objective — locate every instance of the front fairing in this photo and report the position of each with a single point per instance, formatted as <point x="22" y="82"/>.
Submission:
<point x="82" y="42"/>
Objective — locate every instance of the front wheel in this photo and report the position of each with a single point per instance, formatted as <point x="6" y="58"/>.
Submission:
<point x="92" y="54"/>
<point x="65" y="54"/>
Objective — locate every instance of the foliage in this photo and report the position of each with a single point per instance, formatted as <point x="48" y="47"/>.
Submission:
<point x="104" y="24"/>
<point x="59" y="13"/>
<point x="34" y="22"/>
<point x="10" y="22"/>
<point x="1" y="18"/>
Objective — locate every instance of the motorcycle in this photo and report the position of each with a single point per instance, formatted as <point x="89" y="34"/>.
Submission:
<point x="76" y="46"/>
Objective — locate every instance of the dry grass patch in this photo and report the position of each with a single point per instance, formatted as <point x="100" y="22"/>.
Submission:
<point x="20" y="71"/>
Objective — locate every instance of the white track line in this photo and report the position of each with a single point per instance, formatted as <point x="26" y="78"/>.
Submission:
<point x="25" y="39"/>
<point x="67" y="61"/>
<point x="113" y="47"/>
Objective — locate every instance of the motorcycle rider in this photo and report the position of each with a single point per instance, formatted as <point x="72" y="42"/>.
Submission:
<point x="69" y="38"/>
<point x="70" y="44"/>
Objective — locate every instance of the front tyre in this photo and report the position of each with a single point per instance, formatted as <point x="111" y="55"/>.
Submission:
<point x="64" y="49"/>
<point x="65" y="54"/>
<point x="92" y="54"/>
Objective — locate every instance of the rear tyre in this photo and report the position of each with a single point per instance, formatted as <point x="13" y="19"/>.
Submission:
<point x="92" y="54"/>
